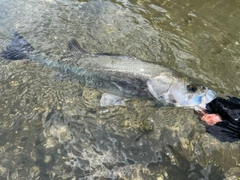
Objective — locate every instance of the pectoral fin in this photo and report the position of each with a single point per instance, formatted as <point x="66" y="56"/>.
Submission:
<point x="112" y="100"/>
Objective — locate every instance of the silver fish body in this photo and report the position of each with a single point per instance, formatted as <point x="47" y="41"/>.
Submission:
<point x="124" y="76"/>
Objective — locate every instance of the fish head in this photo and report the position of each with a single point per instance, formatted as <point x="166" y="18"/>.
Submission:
<point x="188" y="94"/>
<point x="180" y="92"/>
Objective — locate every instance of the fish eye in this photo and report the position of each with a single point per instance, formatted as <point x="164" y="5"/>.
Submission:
<point x="192" y="88"/>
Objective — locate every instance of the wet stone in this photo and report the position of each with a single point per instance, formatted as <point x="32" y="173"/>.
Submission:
<point x="50" y="142"/>
<point x="34" y="171"/>
<point x="47" y="159"/>
<point x="17" y="151"/>
<point x="145" y="124"/>
<point x="3" y="170"/>
<point x="33" y="155"/>
<point x="79" y="172"/>
<point x="3" y="178"/>
<point x="3" y="136"/>
<point x="91" y="97"/>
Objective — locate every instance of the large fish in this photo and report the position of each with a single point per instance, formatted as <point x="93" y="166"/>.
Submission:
<point x="120" y="75"/>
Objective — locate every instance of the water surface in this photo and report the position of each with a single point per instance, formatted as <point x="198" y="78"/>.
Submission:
<point x="54" y="129"/>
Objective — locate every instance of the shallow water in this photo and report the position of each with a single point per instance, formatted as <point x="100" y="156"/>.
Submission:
<point x="53" y="129"/>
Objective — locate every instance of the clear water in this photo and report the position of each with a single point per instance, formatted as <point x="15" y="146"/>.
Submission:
<point x="51" y="129"/>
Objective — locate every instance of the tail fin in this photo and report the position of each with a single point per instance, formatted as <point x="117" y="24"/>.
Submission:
<point x="17" y="49"/>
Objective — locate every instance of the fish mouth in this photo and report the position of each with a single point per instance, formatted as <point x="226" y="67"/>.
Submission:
<point x="204" y="99"/>
<point x="209" y="96"/>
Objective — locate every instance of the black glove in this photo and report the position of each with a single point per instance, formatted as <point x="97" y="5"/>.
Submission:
<point x="229" y="110"/>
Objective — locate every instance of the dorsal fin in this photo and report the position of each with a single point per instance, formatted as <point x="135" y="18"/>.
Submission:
<point x="75" y="48"/>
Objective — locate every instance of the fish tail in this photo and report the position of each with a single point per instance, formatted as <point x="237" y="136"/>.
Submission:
<point x="17" y="49"/>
